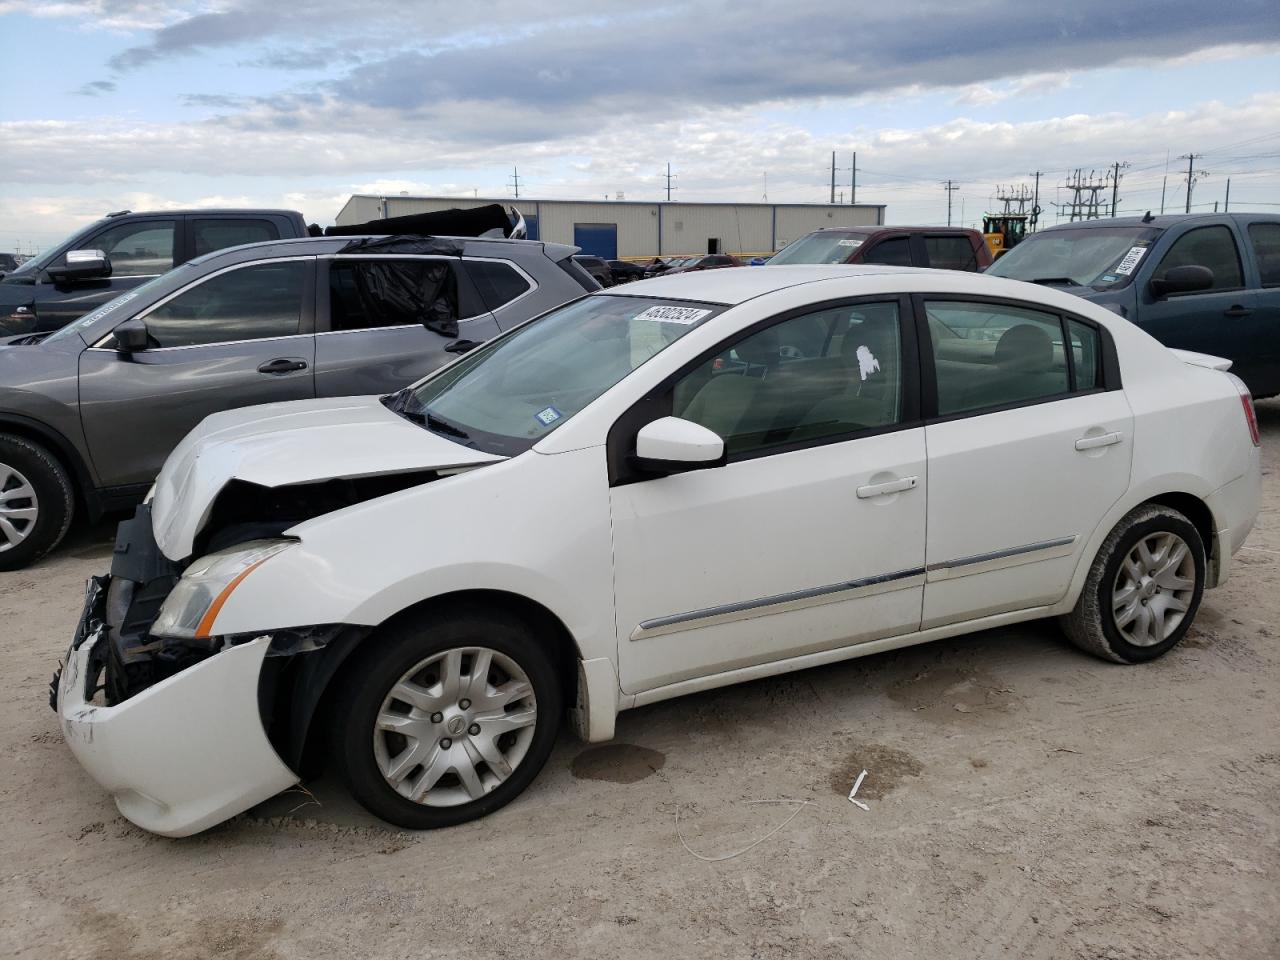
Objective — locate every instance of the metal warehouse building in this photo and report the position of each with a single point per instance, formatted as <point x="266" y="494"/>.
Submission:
<point x="632" y="229"/>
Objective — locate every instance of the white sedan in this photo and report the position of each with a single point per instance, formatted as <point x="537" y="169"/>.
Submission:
<point x="697" y="480"/>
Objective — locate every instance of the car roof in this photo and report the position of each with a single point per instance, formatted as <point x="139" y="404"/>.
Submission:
<point x="1162" y="221"/>
<point x="747" y="283"/>
<point x="869" y="228"/>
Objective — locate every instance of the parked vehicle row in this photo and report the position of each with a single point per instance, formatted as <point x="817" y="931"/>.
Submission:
<point x="944" y="248"/>
<point x="689" y="482"/>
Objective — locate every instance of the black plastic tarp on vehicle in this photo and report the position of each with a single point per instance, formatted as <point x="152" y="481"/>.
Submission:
<point x="445" y="223"/>
<point x="395" y="292"/>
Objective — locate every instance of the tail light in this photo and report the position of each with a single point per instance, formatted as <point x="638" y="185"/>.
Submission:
<point x="1250" y="415"/>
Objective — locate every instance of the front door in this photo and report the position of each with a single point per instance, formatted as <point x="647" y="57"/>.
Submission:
<point x="811" y="536"/>
<point x="1030" y="446"/>
<point x="239" y="337"/>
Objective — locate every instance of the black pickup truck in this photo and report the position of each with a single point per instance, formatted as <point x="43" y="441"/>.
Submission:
<point x="121" y="251"/>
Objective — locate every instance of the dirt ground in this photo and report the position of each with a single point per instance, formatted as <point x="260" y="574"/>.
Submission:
<point x="1024" y="801"/>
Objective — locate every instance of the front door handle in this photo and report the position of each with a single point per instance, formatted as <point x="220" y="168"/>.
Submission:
<point x="869" y="490"/>
<point x="1237" y="311"/>
<point x="282" y="365"/>
<point x="1091" y="443"/>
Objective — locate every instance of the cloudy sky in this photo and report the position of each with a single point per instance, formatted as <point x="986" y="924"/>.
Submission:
<point x="139" y="104"/>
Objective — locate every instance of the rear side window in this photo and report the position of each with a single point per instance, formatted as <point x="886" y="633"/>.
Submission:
<point x="1265" y="238"/>
<point x="1213" y="247"/>
<point x="141" y="249"/>
<point x="498" y="282"/>
<point x="951" y="253"/>
<point x="988" y="355"/>
<point x="366" y="294"/>
<point x="894" y="252"/>
<point x="251" y="303"/>
<point x="210" y="235"/>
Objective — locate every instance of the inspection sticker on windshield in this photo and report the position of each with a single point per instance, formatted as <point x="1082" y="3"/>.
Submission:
<point x="1130" y="261"/>
<point x="547" y="416"/>
<point x="849" y="243"/>
<point x="683" y="315"/>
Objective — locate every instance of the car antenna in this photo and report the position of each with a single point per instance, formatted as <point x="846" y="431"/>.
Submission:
<point x="1147" y="217"/>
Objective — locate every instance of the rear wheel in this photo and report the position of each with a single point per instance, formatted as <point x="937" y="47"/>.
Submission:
<point x="447" y="718"/>
<point x="36" y="502"/>
<point x="1143" y="590"/>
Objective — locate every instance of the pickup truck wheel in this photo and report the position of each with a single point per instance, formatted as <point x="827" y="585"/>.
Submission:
<point x="446" y="718"/>
<point x="36" y="502"/>
<point x="1143" y="590"/>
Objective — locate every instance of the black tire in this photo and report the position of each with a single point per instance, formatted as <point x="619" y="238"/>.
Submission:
<point x="389" y="655"/>
<point x="54" y="499"/>
<point x="1092" y="624"/>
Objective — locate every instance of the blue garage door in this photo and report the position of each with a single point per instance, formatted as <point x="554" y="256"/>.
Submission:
<point x="597" y="239"/>
<point x="531" y="226"/>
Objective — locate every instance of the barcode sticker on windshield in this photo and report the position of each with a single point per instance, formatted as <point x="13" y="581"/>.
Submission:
<point x="1130" y="261"/>
<point x="684" y="315"/>
<point x="849" y="243"/>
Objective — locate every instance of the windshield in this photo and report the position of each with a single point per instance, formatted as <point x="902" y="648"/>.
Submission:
<point x="825" y="246"/>
<point x="1104" y="258"/>
<point x="142" y="290"/>
<point x="509" y="394"/>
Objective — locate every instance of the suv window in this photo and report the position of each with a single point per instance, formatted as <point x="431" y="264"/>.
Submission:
<point x="1213" y="247"/>
<point x="1265" y="238"/>
<point x="498" y="282"/>
<point x="210" y="235"/>
<point x="821" y="375"/>
<point x="251" y="303"/>
<point x="365" y="294"/>
<point x="895" y="252"/>
<point x="987" y="354"/>
<point x="141" y="249"/>
<point x="951" y="253"/>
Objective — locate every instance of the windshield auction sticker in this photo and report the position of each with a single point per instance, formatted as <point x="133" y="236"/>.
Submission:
<point x="682" y="315"/>
<point x="849" y="243"/>
<point x="1130" y="261"/>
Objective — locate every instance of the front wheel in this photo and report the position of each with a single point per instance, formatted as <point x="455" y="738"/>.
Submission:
<point x="1143" y="590"/>
<point x="445" y="719"/>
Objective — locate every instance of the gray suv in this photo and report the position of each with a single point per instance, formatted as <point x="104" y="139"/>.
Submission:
<point x="89" y="413"/>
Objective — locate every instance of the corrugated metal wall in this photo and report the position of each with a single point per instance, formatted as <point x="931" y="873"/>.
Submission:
<point x="646" y="229"/>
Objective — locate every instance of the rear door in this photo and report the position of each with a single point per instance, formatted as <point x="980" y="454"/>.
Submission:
<point x="386" y="321"/>
<point x="1264" y="241"/>
<point x="1029" y="445"/>
<point x="238" y="337"/>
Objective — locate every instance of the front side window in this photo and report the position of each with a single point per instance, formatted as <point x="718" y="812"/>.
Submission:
<point x="988" y="355"/>
<point x="951" y="253"/>
<point x="1265" y="238"/>
<point x="365" y="294"/>
<point x="893" y="252"/>
<point x="142" y="249"/>
<point x="507" y="395"/>
<point x="817" y="376"/>
<point x="251" y="303"/>
<point x="1213" y="247"/>
<point x="210" y="235"/>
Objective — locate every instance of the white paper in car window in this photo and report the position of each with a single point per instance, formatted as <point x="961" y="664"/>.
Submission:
<point x="1130" y="261"/>
<point x="849" y="243"/>
<point x="682" y="315"/>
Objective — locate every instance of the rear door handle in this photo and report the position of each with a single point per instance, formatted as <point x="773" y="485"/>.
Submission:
<point x="1106" y="440"/>
<point x="1237" y="311"/>
<point x="282" y="365"/>
<point x="892" y="486"/>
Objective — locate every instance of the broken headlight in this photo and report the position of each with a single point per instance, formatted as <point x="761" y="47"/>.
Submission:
<point x="191" y="608"/>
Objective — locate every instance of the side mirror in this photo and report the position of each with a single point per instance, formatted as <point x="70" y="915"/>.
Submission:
<point x="132" y="336"/>
<point x="672" y="445"/>
<point x="1186" y="279"/>
<point x="79" y="265"/>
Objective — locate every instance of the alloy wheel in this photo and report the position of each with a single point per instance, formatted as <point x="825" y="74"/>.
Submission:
<point x="1154" y="589"/>
<point x="19" y="507"/>
<point x="455" y="726"/>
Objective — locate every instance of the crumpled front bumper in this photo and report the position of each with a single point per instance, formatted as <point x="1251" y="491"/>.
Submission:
<point x="179" y="756"/>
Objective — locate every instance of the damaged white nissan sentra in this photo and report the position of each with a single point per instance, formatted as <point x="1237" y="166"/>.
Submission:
<point x="712" y="477"/>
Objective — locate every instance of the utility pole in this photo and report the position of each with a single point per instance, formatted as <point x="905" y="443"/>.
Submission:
<point x="515" y="180"/>
<point x="1226" y="204"/>
<point x="951" y="188"/>
<point x="669" y="177"/>
<point x="1115" y="184"/>
<point x="853" y="179"/>
<point x="1035" y="203"/>
<point x="1191" y="159"/>
<point x="833" y="177"/>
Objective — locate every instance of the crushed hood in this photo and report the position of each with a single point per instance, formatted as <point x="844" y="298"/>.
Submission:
<point x="280" y="444"/>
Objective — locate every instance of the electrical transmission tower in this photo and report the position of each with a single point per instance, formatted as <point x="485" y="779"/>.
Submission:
<point x="1011" y="198"/>
<point x="1086" y="195"/>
